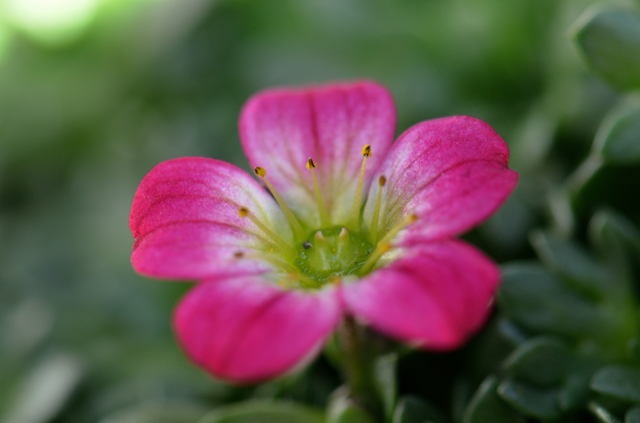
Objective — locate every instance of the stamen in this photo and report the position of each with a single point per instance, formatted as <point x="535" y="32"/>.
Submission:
<point x="317" y="193"/>
<point x="375" y="218"/>
<point x="385" y="245"/>
<point x="291" y="218"/>
<point x="357" y="200"/>
<point x="273" y="237"/>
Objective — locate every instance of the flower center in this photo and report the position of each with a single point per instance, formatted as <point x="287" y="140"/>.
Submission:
<point x="331" y="253"/>
<point x="315" y="257"/>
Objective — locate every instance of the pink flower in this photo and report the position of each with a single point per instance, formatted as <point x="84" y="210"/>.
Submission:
<point x="350" y="224"/>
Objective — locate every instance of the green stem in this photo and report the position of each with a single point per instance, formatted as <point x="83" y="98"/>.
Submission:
<point x="358" y="366"/>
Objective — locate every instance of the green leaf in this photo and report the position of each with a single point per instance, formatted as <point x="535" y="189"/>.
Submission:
<point x="618" y="139"/>
<point x="580" y="270"/>
<point x="608" y="230"/>
<point x="633" y="415"/>
<point x="45" y="390"/>
<point x="621" y="382"/>
<point x="385" y="378"/>
<point x="530" y="400"/>
<point x="157" y="413"/>
<point x="541" y="361"/>
<point x="610" y="42"/>
<point x="487" y="406"/>
<point x="534" y="299"/>
<point x="602" y="414"/>
<point x="343" y="410"/>
<point x="264" y="412"/>
<point x="415" y="410"/>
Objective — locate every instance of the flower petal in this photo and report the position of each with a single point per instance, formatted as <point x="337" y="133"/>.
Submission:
<point x="246" y="330"/>
<point x="185" y="220"/>
<point x="280" y="129"/>
<point x="451" y="172"/>
<point x="434" y="297"/>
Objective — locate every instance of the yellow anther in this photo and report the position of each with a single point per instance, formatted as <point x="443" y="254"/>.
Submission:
<point x="311" y="164"/>
<point x="382" y="180"/>
<point x="260" y="171"/>
<point x="366" y="150"/>
<point x="243" y="212"/>
<point x="238" y="254"/>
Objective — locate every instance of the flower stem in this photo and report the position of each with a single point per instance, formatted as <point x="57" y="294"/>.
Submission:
<point x="357" y="364"/>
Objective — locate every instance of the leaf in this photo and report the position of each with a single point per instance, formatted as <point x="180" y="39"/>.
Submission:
<point x="602" y="414"/>
<point x="580" y="270"/>
<point x="530" y="400"/>
<point x="412" y="409"/>
<point x="610" y="43"/>
<point x="487" y="406"/>
<point x="534" y="299"/>
<point x="343" y="410"/>
<point x="633" y="415"/>
<point x="385" y="378"/>
<point x="157" y="413"/>
<point x="263" y="412"/>
<point x="621" y="382"/>
<point x="45" y="390"/>
<point x="541" y="361"/>
<point x="618" y="139"/>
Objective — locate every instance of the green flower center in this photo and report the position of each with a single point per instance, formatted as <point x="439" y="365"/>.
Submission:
<point x="330" y="253"/>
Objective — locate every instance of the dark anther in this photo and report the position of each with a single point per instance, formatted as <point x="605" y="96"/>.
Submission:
<point x="306" y="245"/>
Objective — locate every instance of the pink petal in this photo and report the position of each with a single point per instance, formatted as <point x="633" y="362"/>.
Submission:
<point x="451" y="172"/>
<point x="280" y="129"/>
<point x="247" y="330"/>
<point x="185" y="221"/>
<point x="435" y="296"/>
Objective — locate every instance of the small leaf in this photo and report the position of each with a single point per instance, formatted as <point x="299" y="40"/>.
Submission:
<point x="530" y="400"/>
<point x="414" y="410"/>
<point x="580" y="270"/>
<point x="602" y="414"/>
<point x="157" y="413"/>
<point x="487" y="406"/>
<point x="343" y="410"/>
<point x="541" y="361"/>
<point x="618" y="139"/>
<point x="536" y="300"/>
<point x="621" y="382"/>
<point x="385" y="378"/>
<point x="610" y="42"/>
<point x="633" y="415"/>
<point x="45" y="390"/>
<point x="263" y="412"/>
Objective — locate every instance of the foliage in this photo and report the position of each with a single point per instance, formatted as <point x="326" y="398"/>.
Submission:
<point x="85" y="117"/>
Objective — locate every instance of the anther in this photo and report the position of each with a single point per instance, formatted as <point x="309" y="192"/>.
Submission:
<point x="311" y="164"/>
<point x="382" y="180"/>
<point x="344" y="233"/>
<point x="238" y="254"/>
<point x="319" y="236"/>
<point x="366" y="150"/>
<point x="260" y="171"/>
<point x="306" y="245"/>
<point x="243" y="212"/>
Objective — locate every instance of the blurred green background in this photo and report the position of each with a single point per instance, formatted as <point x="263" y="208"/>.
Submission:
<point x="93" y="93"/>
